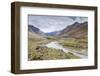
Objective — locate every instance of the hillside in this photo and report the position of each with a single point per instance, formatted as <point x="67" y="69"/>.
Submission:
<point x="34" y="32"/>
<point x="34" y="29"/>
<point x="76" y="30"/>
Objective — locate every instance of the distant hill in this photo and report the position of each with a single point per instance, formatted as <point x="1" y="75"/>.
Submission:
<point x="52" y="33"/>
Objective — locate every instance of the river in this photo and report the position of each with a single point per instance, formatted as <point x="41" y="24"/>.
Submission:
<point x="56" y="45"/>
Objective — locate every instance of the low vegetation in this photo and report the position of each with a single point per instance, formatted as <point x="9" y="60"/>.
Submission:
<point x="76" y="44"/>
<point x="44" y="53"/>
<point x="37" y="50"/>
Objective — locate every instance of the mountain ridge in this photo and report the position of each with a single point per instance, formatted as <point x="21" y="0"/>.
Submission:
<point x="76" y="30"/>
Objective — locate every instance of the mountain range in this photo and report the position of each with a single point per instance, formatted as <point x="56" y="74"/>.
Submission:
<point x="76" y="30"/>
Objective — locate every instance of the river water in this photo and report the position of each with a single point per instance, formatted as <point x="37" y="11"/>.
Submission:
<point x="56" y="45"/>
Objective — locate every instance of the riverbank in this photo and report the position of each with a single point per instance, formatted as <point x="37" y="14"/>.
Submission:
<point x="56" y="45"/>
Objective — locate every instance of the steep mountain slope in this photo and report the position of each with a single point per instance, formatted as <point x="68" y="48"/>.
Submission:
<point x="34" y="29"/>
<point x="77" y="30"/>
<point x="34" y="32"/>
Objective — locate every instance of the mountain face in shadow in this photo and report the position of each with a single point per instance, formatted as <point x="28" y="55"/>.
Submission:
<point x="34" y="32"/>
<point x="32" y="28"/>
<point x="76" y="30"/>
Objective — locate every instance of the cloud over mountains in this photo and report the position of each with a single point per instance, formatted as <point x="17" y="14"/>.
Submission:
<point x="53" y="23"/>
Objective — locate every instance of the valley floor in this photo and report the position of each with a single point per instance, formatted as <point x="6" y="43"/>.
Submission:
<point x="52" y="48"/>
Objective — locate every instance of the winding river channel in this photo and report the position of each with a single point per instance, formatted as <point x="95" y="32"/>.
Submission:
<point x="56" y="45"/>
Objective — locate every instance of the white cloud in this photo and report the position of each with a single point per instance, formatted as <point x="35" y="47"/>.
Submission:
<point x="53" y="23"/>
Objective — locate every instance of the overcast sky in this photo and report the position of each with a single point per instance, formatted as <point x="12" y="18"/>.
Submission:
<point x="53" y="23"/>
